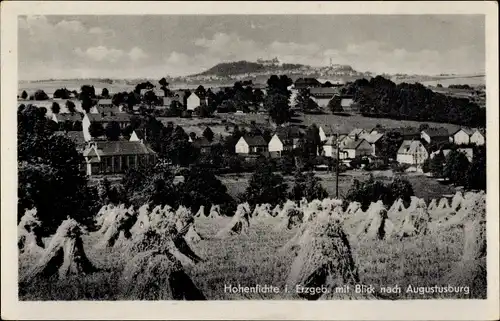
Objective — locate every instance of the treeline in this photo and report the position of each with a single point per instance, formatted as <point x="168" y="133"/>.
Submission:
<point x="380" y="97"/>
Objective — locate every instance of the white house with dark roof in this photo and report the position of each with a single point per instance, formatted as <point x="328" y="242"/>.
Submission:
<point x="461" y="136"/>
<point x="355" y="148"/>
<point x="440" y="134"/>
<point x="194" y="101"/>
<point x="113" y="157"/>
<point x="412" y="152"/>
<point x="373" y="139"/>
<point x="478" y="137"/>
<point x="284" y="139"/>
<point x="251" y="145"/>
<point x="323" y="95"/>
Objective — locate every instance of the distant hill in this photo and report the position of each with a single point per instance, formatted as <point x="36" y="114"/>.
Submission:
<point x="253" y="69"/>
<point x="233" y="68"/>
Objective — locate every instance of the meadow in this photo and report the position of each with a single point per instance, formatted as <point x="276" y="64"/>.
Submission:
<point x="423" y="186"/>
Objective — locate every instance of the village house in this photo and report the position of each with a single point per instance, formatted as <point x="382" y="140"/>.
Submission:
<point x="412" y="152"/>
<point x="285" y="139"/>
<point x="330" y="147"/>
<point x="435" y="135"/>
<point x="325" y="132"/>
<point x="303" y="83"/>
<point x="203" y="145"/>
<point x="322" y="95"/>
<point x="106" y="107"/>
<point x="114" y="157"/>
<point x="251" y="145"/>
<point x="167" y="101"/>
<point x="461" y="136"/>
<point x="61" y="118"/>
<point x="137" y="136"/>
<point x="374" y="140"/>
<point x="123" y="119"/>
<point x="357" y="132"/>
<point x="348" y="105"/>
<point x="478" y="137"/>
<point x="355" y="148"/>
<point x="193" y="101"/>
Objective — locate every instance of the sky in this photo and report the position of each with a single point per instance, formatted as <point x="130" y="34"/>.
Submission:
<point x="153" y="46"/>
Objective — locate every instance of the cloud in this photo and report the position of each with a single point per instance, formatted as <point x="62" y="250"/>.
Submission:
<point x="100" y="53"/>
<point x="137" y="53"/>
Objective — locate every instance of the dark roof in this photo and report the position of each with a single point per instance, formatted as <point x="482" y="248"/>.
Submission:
<point x="75" y="135"/>
<point x="168" y="100"/>
<point x="436" y="132"/>
<point x="466" y="130"/>
<point x="255" y="140"/>
<point x="202" y="142"/>
<point x="68" y="117"/>
<point x="404" y="131"/>
<point x="119" y="117"/>
<point x="323" y="92"/>
<point x="289" y="132"/>
<point x="354" y="144"/>
<point x="113" y="148"/>
<point x="108" y="109"/>
<point x="307" y="82"/>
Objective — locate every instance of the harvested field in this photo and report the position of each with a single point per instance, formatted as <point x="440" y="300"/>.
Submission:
<point x="256" y="257"/>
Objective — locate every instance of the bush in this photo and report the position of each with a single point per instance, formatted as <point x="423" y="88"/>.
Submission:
<point x="373" y="191"/>
<point x="265" y="187"/>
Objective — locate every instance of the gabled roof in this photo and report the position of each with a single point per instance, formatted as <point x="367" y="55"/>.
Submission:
<point x="118" y="117"/>
<point x="404" y="131"/>
<point x="466" y="130"/>
<point x="354" y="144"/>
<point x="288" y="132"/>
<point x="436" y="132"/>
<point x="346" y="101"/>
<point x="68" y="117"/>
<point x="356" y="131"/>
<point x="104" y="102"/>
<point x="323" y="92"/>
<point x="120" y="147"/>
<point x="108" y="109"/>
<point x="255" y="140"/>
<point x="372" y="138"/>
<point x="480" y="131"/>
<point x="75" y="135"/>
<point x="307" y="82"/>
<point x="168" y="100"/>
<point x="202" y="142"/>
<point x="410" y="146"/>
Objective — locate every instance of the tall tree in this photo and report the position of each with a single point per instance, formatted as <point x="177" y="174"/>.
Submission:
<point x="304" y="100"/>
<point x="208" y="134"/>
<point x="265" y="187"/>
<point x="24" y="95"/>
<point x="277" y="99"/>
<point x="41" y="95"/>
<point x="455" y="168"/>
<point x="55" y="108"/>
<point x="105" y="93"/>
<point x="113" y="130"/>
<point x="96" y="130"/>
<point x="70" y="106"/>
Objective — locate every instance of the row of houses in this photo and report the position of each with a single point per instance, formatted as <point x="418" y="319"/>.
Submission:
<point x="360" y="142"/>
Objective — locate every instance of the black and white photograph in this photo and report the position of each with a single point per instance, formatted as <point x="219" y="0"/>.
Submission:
<point x="252" y="157"/>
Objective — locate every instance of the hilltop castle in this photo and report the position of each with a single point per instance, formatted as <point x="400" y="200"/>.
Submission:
<point x="269" y="63"/>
